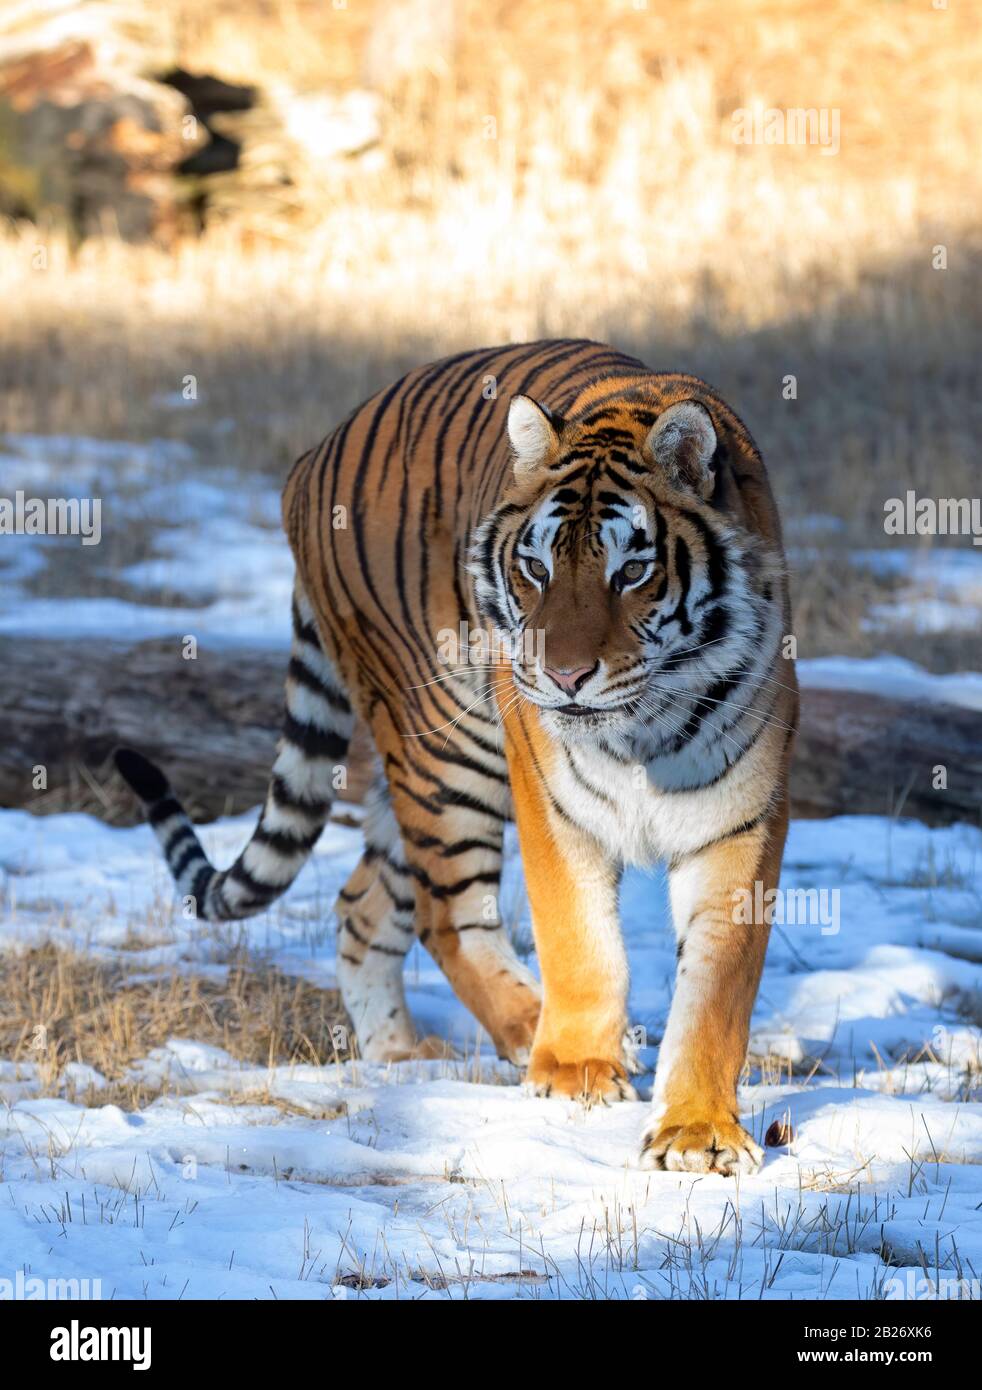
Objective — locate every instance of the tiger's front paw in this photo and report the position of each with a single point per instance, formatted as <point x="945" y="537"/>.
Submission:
<point x="718" y="1145"/>
<point x="592" y="1080"/>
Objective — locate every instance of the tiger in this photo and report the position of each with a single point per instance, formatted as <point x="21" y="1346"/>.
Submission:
<point x="616" y="525"/>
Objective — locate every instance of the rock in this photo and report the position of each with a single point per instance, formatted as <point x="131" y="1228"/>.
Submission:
<point x="85" y="138"/>
<point x="211" y="723"/>
<point x="292" y="150"/>
<point x="780" y="1134"/>
<point x="101" y="130"/>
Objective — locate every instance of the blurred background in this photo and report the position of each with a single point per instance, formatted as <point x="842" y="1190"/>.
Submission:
<point x="226" y="222"/>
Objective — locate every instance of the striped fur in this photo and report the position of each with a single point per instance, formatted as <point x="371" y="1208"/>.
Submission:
<point x="618" y="526"/>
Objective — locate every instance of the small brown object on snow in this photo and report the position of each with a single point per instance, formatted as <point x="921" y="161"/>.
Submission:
<point x="780" y="1134"/>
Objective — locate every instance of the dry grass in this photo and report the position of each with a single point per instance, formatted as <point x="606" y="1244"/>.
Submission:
<point x="613" y="202"/>
<point x="57" y="1007"/>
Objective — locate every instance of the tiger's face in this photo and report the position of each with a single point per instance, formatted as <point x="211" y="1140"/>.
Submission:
<point x="631" y="594"/>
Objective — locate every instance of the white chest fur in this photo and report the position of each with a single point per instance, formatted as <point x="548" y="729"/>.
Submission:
<point x="630" y="809"/>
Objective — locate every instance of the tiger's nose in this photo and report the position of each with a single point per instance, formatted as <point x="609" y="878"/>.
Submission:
<point x="570" y="680"/>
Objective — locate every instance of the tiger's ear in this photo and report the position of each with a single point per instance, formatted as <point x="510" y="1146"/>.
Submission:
<point x="533" y="435"/>
<point x="683" y="441"/>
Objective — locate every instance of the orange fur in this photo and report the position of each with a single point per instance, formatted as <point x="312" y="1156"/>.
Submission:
<point x="579" y="1041"/>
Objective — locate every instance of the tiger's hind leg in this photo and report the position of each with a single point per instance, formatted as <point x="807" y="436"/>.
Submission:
<point x="375" y="911"/>
<point x="452" y="822"/>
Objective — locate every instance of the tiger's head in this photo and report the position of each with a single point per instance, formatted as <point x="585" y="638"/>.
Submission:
<point x="630" y="589"/>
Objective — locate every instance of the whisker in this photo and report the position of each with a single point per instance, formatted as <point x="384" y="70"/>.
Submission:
<point x="690" y="651"/>
<point x="721" y="733"/>
<point x="710" y="700"/>
<point x="451" y="723"/>
<point x="456" y="674"/>
<point x="651" y="713"/>
<point x="490" y="692"/>
<point x="505" y="710"/>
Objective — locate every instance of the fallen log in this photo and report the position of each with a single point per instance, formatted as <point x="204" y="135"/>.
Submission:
<point x="864" y="754"/>
<point x="212" y="723"/>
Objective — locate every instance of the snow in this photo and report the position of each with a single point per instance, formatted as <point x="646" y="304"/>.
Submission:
<point x="893" y="677"/>
<point x="444" y="1179"/>
<point x="956" y="572"/>
<point x="937" y="589"/>
<point x="215" y="539"/>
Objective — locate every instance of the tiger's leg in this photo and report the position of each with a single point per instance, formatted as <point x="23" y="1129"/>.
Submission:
<point x="375" y="911"/>
<point x="695" y="1125"/>
<point x="452" y="822"/>
<point x="459" y="922"/>
<point x="572" y="887"/>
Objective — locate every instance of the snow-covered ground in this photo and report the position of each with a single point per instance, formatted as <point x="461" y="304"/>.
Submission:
<point x="442" y="1179"/>
<point x="216" y="541"/>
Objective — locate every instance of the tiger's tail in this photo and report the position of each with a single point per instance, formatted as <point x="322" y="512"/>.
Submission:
<point x="311" y="752"/>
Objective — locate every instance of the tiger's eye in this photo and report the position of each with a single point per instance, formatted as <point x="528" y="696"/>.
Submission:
<point x="633" y="570"/>
<point x="537" y="569"/>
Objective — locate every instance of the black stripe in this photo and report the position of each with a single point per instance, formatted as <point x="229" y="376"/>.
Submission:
<point x="423" y="801"/>
<point x="181" y="834"/>
<point x="261" y="892"/>
<point x="284" y="843"/>
<point x="303" y="628"/>
<point x="729" y="763"/>
<point x="199" y="886"/>
<point x="192" y="853"/>
<point x="582" y="781"/>
<point x="163" y="810"/>
<point x="314" y="807"/>
<point x="744" y="829"/>
<point x="304" y="676"/>
<point x="370" y="945"/>
<point x="400" y="903"/>
<point x="451" y="890"/>
<point x="461" y="800"/>
<point x="716" y="559"/>
<point x="314" y="742"/>
<point x="448" y="849"/>
<point x="459" y="759"/>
